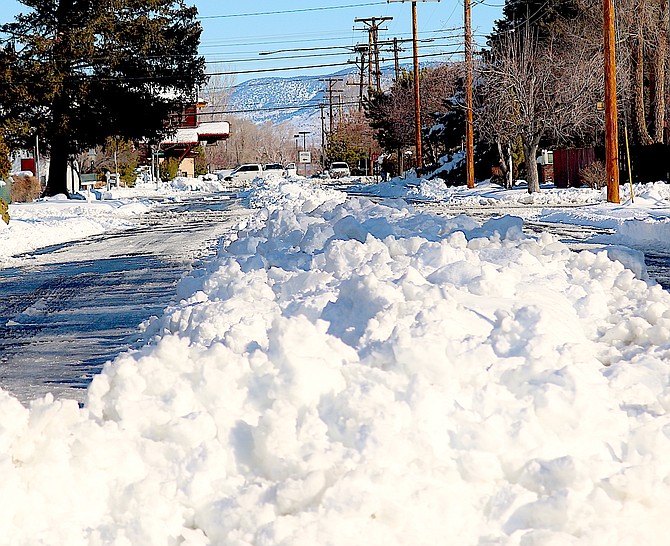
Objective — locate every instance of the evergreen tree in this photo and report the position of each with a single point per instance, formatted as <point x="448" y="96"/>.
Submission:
<point x="79" y="71"/>
<point x="540" y="18"/>
<point x="5" y="164"/>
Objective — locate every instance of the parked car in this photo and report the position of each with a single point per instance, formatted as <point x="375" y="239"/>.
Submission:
<point x="339" y="169"/>
<point x="291" y="170"/>
<point x="245" y="173"/>
<point x="274" y="169"/>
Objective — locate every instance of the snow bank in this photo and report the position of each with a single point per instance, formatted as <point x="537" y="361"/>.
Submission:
<point x="207" y="184"/>
<point x="57" y="220"/>
<point x="351" y="372"/>
<point x="642" y="222"/>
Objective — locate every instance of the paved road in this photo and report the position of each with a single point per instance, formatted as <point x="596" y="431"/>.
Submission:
<point x="73" y="307"/>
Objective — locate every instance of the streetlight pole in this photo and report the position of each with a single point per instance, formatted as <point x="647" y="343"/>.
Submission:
<point x="417" y="97"/>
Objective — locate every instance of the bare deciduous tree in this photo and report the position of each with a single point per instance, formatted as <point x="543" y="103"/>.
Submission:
<point x="251" y="143"/>
<point x="540" y="89"/>
<point x="217" y="94"/>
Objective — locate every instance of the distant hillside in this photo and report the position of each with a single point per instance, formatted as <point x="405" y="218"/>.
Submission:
<point x="288" y="100"/>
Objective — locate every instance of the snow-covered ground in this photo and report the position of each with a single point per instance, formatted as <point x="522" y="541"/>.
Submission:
<point x="58" y="220"/>
<point x="358" y="372"/>
<point x="643" y="221"/>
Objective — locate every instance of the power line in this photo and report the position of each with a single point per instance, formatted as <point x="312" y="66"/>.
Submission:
<point x="283" y="12"/>
<point x="430" y="41"/>
<point x="235" y="43"/>
<point x="271" y="108"/>
<point x="309" y="67"/>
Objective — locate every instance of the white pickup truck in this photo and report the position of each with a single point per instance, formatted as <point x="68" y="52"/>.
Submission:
<point x="338" y="169"/>
<point x="244" y="174"/>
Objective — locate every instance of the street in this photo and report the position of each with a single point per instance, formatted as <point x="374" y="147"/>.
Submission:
<point x="72" y="308"/>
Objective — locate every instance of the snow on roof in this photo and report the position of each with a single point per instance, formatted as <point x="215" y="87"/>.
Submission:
<point x="182" y="136"/>
<point x="211" y="128"/>
<point x="195" y="135"/>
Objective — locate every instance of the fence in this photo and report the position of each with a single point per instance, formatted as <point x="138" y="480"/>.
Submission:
<point x="6" y="190"/>
<point x="568" y="165"/>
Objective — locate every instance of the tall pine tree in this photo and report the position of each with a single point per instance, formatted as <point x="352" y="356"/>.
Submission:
<point x="78" y="71"/>
<point x="538" y="18"/>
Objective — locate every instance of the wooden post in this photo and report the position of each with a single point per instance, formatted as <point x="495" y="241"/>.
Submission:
<point x="417" y="98"/>
<point x="611" y="128"/>
<point x="469" y="133"/>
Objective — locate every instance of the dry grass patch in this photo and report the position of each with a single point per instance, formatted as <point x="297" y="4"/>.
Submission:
<point x="25" y="189"/>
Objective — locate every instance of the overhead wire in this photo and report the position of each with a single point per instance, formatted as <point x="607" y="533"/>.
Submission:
<point x="207" y="45"/>
<point x="429" y="44"/>
<point x="291" y="11"/>
<point x="326" y="65"/>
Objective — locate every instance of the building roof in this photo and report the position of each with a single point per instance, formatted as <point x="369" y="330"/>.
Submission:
<point x="182" y="136"/>
<point x="210" y="131"/>
<point x="214" y="128"/>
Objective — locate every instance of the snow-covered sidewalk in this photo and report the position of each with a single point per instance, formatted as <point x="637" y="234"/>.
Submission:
<point x="346" y="372"/>
<point x="643" y="221"/>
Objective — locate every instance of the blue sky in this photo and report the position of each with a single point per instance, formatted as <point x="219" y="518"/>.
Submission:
<point x="235" y="33"/>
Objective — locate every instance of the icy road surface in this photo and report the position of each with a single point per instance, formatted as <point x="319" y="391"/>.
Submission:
<point x="76" y="306"/>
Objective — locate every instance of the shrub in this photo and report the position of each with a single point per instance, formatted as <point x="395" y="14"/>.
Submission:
<point x="594" y="175"/>
<point x="25" y="189"/>
<point x="4" y="211"/>
<point x="169" y="168"/>
<point x="5" y="165"/>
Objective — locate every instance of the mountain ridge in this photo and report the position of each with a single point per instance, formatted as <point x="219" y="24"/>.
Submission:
<point x="296" y="100"/>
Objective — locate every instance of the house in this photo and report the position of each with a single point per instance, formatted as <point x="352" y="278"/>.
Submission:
<point x="189" y="133"/>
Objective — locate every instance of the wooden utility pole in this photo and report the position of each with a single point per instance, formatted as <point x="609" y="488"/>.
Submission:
<point x="396" y="58"/>
<point x="360" y="49"/>
<point x="324" y="152"/>
<point x="469" y="130"/>
<point x="611" y="128"/>
<point x="417" y="97"/>
<point x="331" y="84"/>
<point x="373" y="26"/>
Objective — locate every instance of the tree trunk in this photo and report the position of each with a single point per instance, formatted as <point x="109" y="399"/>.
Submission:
<point x="57" y="180"/>
<point x="59" y="151"/>
<point x="60" y="129"/>
<point x="502" y="162"/>
<point x="505" y="162"/>
<point x="638" y="112"/>
<point x="657" y="97"/>
<point x="530" y="160"/>
<point x="510" y="169"/>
